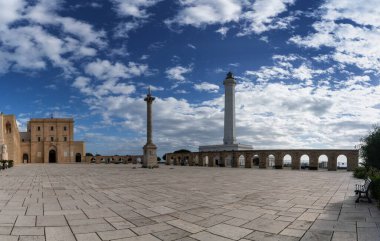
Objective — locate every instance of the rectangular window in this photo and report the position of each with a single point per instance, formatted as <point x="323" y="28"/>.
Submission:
<point x="65" y="138"/>
<point x="65" y="128"/>
<point x="39" y="139"/>
<point x="38" y="128"/>
<point x="51" y="138"/>
<point x="52" y="128"/>
<point x="23" y="140"/>
<point x="65" y="154"/>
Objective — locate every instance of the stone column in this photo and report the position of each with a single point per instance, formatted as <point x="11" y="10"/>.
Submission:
<point x="296" y="161"/>
<point x="313" y="161"/>
<point x="200" y="159"/>
<point x="331" y="164"/>
<point x="278" y="162"/>
<point x="352" y="161"/>
<point x="263" y="160"/>
<point x="150" y="149"/>
<point x="229" y="110"/>
<point x="235" y="159"/>
<point x="248" y="160"/>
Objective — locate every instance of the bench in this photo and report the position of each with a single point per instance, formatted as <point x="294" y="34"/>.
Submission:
<point x="359" y="189"/>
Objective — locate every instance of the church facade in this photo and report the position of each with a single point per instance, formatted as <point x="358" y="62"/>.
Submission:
<point x="47" y="140"/>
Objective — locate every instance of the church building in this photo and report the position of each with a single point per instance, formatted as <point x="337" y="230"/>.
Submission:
<point x="47" y="140"/>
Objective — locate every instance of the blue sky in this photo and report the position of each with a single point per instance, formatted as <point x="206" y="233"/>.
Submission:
<point x="307" y="71"/>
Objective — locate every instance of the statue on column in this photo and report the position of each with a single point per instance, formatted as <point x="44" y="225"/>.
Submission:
<point x="4" y="152"/>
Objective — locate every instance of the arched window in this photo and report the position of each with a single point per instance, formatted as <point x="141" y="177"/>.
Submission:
<point x="8" y="127"/>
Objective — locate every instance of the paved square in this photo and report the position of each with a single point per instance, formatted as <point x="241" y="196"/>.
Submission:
<point x="116" y="202"/>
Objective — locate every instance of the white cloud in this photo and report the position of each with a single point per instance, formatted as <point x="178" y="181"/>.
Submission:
<point x="177" y="72"/>
<point x="104" y="69"/>
<point x="353" y="42"/>
<point x="191" y="46"/>
<point x="203" y="12"/>
<point x="134" y="8"/>
<point x="251" y="16"/>
<point x="262" y="16"/>
<point x="208" y="87"/>
<point x="223" y="31"/>
<point x="32" y="47"/>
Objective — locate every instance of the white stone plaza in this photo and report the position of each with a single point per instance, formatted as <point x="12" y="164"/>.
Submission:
<point x="92" y="202"/>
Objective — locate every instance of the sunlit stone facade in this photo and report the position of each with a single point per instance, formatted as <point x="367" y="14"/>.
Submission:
<point x="47" y="140"/>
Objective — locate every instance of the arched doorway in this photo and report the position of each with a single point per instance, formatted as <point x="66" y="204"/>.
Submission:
<point x="52" y="156"/>
<point x="287" y="161"/>
<point x="25" y="158"/>
<point x="322" y="162"/>
<point x="78" y="157"/>
<point x="305" y="161"/>
<point x="241" y="161"/>
<point x="341" y="162"/>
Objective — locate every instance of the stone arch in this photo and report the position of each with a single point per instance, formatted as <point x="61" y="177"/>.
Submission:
<point x="52" y="155"/>
<point x="305" y="161"/>
<point x="342" y="161"/>
<point x="25" y="158"/>
<point x="322" y="161"/>
<point x="241" y="161"/>
<point x="271" y="160"/>
<point x="287" y="161"/>
<point x="205" y="160"/>
<point x="255" y="160"/>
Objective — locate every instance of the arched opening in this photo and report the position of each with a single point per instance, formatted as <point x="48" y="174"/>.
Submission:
<point x="205" y="161"/>
<point x="341" y="162"/>
<point x="52" y="156"/>
<point x="241" y="161"/>
<point x="255" y="161"/>
<point x="287" y="161"/>
<point x="138" y="160"/>
<point x="93" y="160"/>
<point x="129" y="160"/>
<point x="216" y="161"/>
<point x="25" y="158"/>
<point x="305" y="161"/>
<point x="78" y="157"/>
<point x="322" y="162"/>
<point x="271" y="161"/>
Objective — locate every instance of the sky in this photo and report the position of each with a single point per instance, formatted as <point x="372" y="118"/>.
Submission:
<point x="307" y="71"/>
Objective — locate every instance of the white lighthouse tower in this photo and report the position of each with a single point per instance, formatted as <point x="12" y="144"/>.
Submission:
<point x="229" y="140"/>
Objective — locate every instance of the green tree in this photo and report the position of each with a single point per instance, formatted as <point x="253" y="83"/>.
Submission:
<point x="89" y="154"/>
<point x="370" y="149"/>
<point x="164" y="157"/>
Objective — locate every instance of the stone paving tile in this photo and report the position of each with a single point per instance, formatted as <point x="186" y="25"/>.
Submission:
<point x="344" y="236"/>
<point x="317" y="235"/>
<point x="59" y="234"/>
<point x="8" y="238"/>
<point x="271" y="204"/>
<point x="87" y="237"/>
<point x="171" y="234"/>
<point x="205" y="236"/>
<point x="267" y="225"/>
<point x="92" y="228"/>
<point x="31" y="238"/>
<point x="5" y="230"/>
<point x="368" y="234"/>
<point x="51" y="221"/>
<point x="262" y="236"/>
<point x="147" y="237"/>
<point x="189" y="227"/>
<point x="28" y="231"/>
<point x="229" y="231"/>
<point x="213" y="220"/>
<point x="116" y="234"/>
<point x="26" y="221"/>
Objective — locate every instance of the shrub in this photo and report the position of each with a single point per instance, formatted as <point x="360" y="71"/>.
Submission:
<point x="370" y="149"/>
<point x="375" y="187"/>
<point x="10" y="163"/>
<point x="360" y="172"/>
